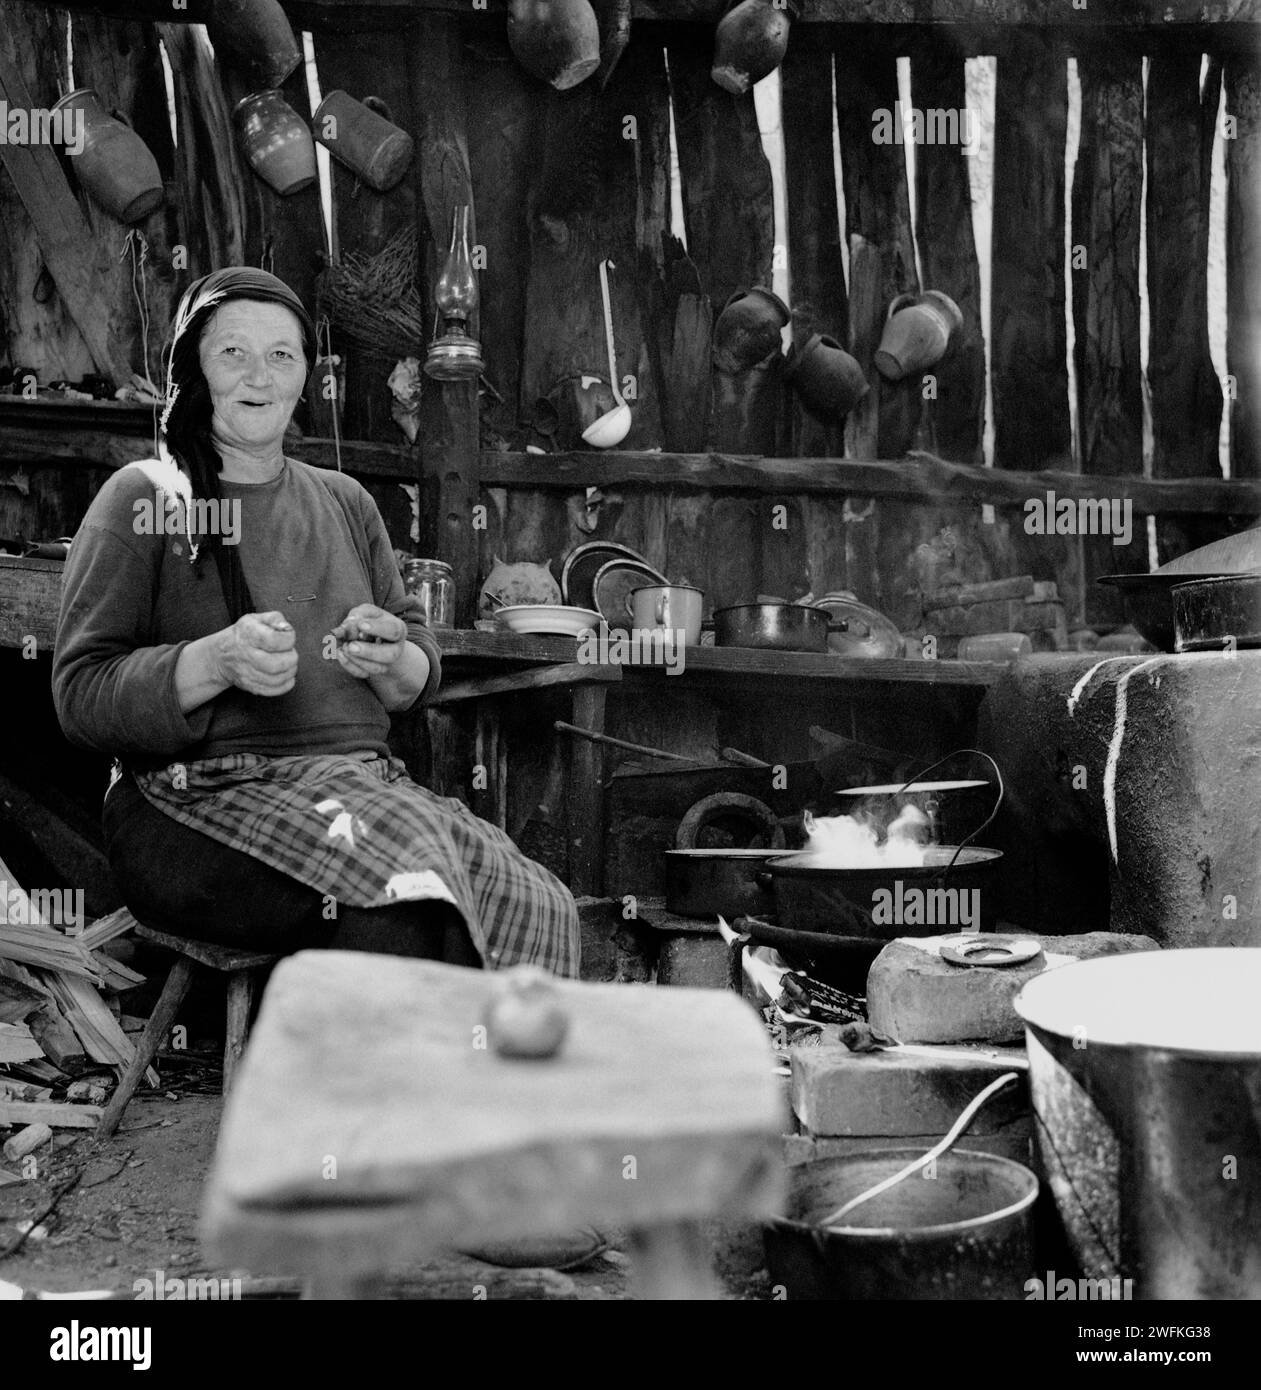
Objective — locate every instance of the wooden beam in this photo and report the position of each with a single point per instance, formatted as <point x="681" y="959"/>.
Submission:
<point x="917" y="478"/>
<point x="1163" y="14"/>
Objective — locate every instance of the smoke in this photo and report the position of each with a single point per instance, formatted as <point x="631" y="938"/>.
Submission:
<point x="853" y="842"/>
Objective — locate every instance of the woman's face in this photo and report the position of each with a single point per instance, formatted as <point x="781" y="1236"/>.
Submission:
<point x="251" y="356"/>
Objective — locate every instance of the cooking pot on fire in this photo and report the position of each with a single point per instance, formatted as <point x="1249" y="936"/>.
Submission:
<point x="891" y="900"/>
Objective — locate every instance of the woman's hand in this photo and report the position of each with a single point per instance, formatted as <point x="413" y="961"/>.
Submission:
<point x="372" y="645"/>
<point x="257" y="654"/>
<point x="369" y="641"/>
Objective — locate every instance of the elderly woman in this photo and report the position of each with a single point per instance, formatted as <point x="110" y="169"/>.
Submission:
<point x="235" y="633"/>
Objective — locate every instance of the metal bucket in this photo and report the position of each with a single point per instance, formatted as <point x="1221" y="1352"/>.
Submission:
<point x="1145" y="1073"/>
<point x="966" y="1232"/>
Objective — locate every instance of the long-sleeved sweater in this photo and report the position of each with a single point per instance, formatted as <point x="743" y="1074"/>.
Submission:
<point x="313" y="546"/>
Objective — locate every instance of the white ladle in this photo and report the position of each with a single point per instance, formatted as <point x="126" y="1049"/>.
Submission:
<point x="614" y="425"/>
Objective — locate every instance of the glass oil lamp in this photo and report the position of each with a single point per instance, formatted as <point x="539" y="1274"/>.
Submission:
<point x="455" y="355"/>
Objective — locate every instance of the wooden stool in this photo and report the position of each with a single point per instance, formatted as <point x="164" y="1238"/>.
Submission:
<point x="241" y="968"/>
<point x="372" y="1126"/>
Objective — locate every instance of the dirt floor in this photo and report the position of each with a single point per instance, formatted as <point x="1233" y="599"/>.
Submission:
<point x="109" y="1216"/>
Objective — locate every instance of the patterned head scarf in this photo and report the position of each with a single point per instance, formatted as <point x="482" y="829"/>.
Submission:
<point x="186" y="416"/>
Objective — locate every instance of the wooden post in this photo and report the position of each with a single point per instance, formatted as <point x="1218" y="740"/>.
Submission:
<point x="449" y="411"/>
<point x="1243" y="257"/>
<point x="586" y="795"/>
<point x="1107" y="197"/>
<point x="1185" y="392"/>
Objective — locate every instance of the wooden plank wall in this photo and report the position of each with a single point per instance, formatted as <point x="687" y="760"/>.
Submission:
<point x="561" y="181"/>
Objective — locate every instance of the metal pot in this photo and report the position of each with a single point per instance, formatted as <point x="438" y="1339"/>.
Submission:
<point x="780" y="627"/>
<point x="710" y="882"/>
<point x="1134" y="1129"/>
<point x="968" y="1234"/>
<point x="812" y="897"/>
<point x="1218" y="614"/>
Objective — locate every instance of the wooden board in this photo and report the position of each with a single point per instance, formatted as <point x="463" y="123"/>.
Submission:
<point x="1186" y="395"/>
<point x="373" y="1066"/>
<point x="1107" y="202"/>
<point x="121" y="62"/>
<point x="388" y="14"/>
<point x="1243" y="256"/>
<point x="815" y="261"/>
<point x="64" y="238"/>
<point x="1030" y="365"/>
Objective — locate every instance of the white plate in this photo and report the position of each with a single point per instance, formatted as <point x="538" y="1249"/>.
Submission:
<point x="547" y="619"/>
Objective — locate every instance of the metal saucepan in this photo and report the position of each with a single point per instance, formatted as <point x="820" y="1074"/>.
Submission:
<point x="1218" y="614"/>
<point x="710" y="882"/>
<point x="780" y="627"/>
<point x="812" y="897"/>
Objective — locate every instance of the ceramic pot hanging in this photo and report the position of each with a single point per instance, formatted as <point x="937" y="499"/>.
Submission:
<point x="917" y="333"/>
<point x="276" y="141"/>
<point x="750" y="42"/>
<point x="258" y="36"/>
<point x="748" y="329"/>
<point x="360" y="135"/>
<point x="557" y="41"/>
<point x="115" y="167"/>
<point x="826" y="377"/>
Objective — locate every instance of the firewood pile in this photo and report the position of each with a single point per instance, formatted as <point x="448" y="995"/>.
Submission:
<point x="60" y="1028"/>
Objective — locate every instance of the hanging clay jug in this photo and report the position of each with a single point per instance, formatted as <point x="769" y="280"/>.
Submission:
<point x="114" y="167"/>
<point x="363" y="138"/>
<point x="258" y="36"/>
<point x="750" y="42"/>
<point x="556" y="40"/>
<point x="917" y="333"/>
<point x="276" y="141"/>
<point x="825" y="376"/>
<point x="748" y="329"/>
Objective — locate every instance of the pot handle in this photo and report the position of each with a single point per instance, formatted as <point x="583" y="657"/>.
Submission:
<point x="967" y="839"/>
<point x="897" y="303"/>
<point x="839" y="625"/>
<point x="380" y="107"/>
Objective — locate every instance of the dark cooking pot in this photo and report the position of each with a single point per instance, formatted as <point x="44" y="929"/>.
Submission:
<point x="812" y="897"/>
<point x="780" y="627"/>
<point x="1213" y="615"/>
<point x="710" y="882"/>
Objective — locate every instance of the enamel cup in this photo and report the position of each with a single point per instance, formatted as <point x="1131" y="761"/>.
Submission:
<point x="673" y="606"/>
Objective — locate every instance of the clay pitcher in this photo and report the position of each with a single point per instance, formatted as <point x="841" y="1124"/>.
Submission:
<point x="748" y="329"/>
<point x="258" y="36"/>
<point x="363" y="138"/>
<point x="750" y="42"/>
<point x="826" y="377"/>
<point x="276" y="141"/>
<point x="114" y="167"/>
<point x="917" y="333"/>
<point x="557" y="41"/>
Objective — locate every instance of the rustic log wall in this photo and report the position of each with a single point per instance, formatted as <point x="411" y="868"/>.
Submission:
<point x="561" y="181"/>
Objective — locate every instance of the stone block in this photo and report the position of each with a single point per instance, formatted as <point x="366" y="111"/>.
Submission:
<point x="839" y="1092"/>
<point x="914" y="996"/>
<point x="700" y="962"/>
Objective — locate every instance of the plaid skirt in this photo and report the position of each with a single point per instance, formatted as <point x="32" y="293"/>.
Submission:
<point x="367" y="835"/>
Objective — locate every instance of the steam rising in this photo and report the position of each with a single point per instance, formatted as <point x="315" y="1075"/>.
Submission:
<point x="853" y="842"/>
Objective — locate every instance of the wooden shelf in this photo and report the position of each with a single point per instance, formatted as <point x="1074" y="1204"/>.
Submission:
<point x="108" y="435"/>
<point x="719" y="662"/>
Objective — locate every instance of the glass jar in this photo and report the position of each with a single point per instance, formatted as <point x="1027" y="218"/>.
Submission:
<point x="433" y="582"/>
